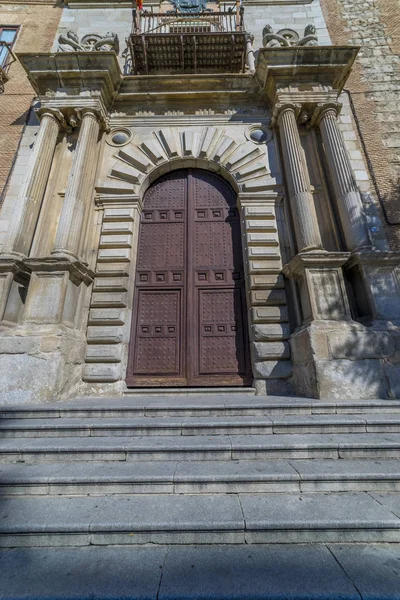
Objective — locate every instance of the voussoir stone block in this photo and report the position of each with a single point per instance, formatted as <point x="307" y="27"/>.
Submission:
<point x="262" y="297"/>
<point x="270" y="332"/>
<point x="274" y="369"/>
<point x="105" y="335"/>
<point x="114" y="255"/>
<point x="103" y="353"/>
<point x="110" y="284"/>
<point x="266" y="281"/>
<point x="111" y="299"/>
<point x="118" y="214"/>
<point x="269" y="314"/>
<point x="106" y="316"/>
<point x="102" y="372"/>
<point x="268" y="350"/>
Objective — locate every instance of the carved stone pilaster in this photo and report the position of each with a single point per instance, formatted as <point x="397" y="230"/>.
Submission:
<point x="79" y="187"/>
<point x="26" y="214"/>
<point x="298" y="181"/>
<point x="347" y="195"/>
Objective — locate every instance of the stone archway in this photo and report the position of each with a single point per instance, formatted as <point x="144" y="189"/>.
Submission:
<point x="245" y="166"/>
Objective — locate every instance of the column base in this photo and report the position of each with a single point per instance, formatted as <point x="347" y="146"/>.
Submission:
<point x="14" y="279"/>
<point x="41" y="357"/>
<point x="375" y="280"/>
<point x="345" y="361"/>
<point x="40" y="364"/>
<point x="54" y="289"/>
<point x="320" y="284"/>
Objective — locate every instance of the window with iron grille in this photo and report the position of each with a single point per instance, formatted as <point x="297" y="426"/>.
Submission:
<point x="8" y="36"/>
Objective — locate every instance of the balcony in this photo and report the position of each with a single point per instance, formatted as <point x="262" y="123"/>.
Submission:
<point x="196" y="42"/>
<point x="6" y="59"/>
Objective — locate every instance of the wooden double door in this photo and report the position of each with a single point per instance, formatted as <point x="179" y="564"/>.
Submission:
<point x="189" y="323"/>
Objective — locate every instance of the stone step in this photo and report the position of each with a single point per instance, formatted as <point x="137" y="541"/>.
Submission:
<point x="189" y="426"/>
<point x="202" y="477"/>
<point x="200" y="519"/>
<point x="222" y="447"/>
<point x="201" y="406"/>
<point x="189" y="392"/>
<point x="220" y="572"/>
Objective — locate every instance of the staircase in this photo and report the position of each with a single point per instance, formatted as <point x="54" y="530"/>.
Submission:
<point x="191" y="472"/>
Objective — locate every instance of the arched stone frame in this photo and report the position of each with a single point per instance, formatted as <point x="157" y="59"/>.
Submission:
<point x="245" y="167"/>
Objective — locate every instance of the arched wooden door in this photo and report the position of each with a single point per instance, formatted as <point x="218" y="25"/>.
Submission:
<point x="189" y="316"/>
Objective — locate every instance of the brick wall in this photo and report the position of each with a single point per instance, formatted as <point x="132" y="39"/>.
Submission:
<point x="375" y="91"/>
<point x="38" y="22"/>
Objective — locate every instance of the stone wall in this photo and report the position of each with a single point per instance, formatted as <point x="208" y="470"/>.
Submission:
<point x="289" y="15"/>
<point x="375" y="91"/>
<point x="38" y="22"/>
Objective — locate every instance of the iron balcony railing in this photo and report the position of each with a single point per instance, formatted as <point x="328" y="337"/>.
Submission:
<point x="202" y="42"/>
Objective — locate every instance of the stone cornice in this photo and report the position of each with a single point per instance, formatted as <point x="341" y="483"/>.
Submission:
<point x="307" y="73"/>
<point x="78" y="270"/>
<point x="314" y="260"/>
<point x="10" y="264"/>
<point x="87" y="76"/>
<point x="374" y="259"/>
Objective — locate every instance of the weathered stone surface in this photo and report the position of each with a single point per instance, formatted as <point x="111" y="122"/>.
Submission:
<point x="357" y="345"/>
<point x="34" y="379"/>
<point x="392" y="372"/>
<point x="19" y="345"/>
<point x="345" y="379"/>
<point x="275" y="369"/>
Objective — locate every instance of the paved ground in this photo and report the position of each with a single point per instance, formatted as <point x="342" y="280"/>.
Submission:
<point x="267" y="572"/>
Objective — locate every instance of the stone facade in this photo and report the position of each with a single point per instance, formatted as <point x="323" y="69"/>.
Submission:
<point x="322" y="287"/>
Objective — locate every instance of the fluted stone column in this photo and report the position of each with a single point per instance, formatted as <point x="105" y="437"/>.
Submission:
<point x="22" y="227"/>
<point x="79" y="187"/>
<point x="301" y="199"/>
<point x="347" y="195"/>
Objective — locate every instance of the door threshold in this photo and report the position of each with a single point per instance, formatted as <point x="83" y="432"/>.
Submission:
<point x="192" y="391"/>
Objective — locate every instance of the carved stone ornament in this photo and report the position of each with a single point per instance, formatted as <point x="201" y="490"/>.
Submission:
<point x="189" y="6"/>
<point x="288" y="37"/>
<point x="89" y="43"/>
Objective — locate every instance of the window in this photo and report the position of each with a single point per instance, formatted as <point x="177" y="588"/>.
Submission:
<point x="7" y="39"/>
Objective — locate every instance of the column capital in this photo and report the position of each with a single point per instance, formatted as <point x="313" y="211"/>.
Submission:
<point x="281" y="107"/>
<point x="323" y="109"/>
<point x="55" y="114"/>
<point x="95" y="113"/>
